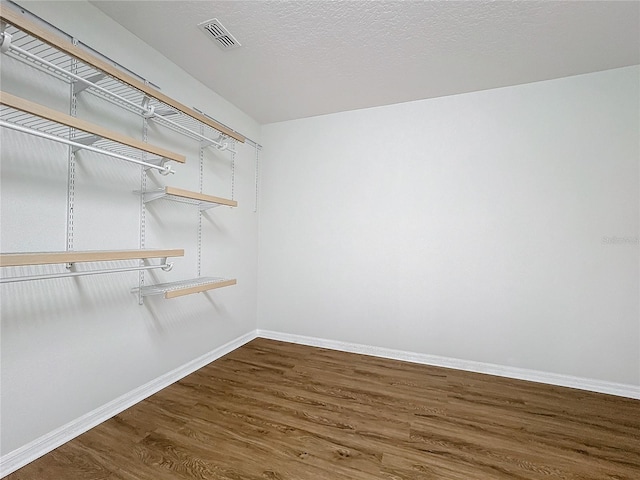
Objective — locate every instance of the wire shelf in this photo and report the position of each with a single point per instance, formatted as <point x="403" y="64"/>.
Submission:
<point x="204" y="202"/>
<point x="40" y="49"/>
<point x="18" y="117"/>
<point x="17" y="260"/>
<point x="185" y="287"/>
<point x="86" y="77"/>
<point x="66" y="133"/>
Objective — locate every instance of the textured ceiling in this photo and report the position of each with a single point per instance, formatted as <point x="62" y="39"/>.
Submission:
<point x="306" y="58"/>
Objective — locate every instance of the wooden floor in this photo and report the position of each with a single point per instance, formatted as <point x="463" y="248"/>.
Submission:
<point x="273" y="410"/>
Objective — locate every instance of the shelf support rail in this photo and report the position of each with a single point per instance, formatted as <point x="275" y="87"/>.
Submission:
<point x="160" y="166"/>
<point x="166" y="266"/>
<point x="145" y="110"/>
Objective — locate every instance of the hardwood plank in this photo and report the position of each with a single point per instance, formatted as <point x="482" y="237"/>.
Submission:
<point x="283" y="411"/>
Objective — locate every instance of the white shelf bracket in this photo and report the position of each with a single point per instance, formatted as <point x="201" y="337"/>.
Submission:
<point x="219" y="143"/>
<point x="165" y="113"/>
<point x="80" y="86"/>
<point x="86" y="141"/>
<point x="151" y="196"/>
<point x="206" y="206"/>
<point x="206" y="143"/>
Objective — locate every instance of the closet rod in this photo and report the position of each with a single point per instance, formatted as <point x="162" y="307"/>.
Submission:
<point x="41" y="111"/>
<point x="162" y="169"/>
<point x="148" y="112"/>
<point x="144" y="109"/>
<point x="14" y="18"/>
<point x="165" y="266"/>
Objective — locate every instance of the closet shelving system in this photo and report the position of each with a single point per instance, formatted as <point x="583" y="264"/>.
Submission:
<point x="29" y="117"/>
<point x="75" y="257"/>
<point x="29" y="42"/>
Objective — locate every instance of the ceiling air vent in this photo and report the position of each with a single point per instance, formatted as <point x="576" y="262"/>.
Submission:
<point x="220" y="35"/>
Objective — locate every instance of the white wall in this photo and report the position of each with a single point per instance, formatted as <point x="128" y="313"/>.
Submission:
<point x="70" y="346"/>
<point x="474" y="226"/>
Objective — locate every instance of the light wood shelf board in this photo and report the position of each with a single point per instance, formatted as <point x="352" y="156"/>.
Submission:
<point x="178" y="192"/>
<point x="32" y="108"/>
<point x="186" y="287"/>
<point x="199" y="289"/>
<point x="19" y="21"/>
<point x="46" y="258"/>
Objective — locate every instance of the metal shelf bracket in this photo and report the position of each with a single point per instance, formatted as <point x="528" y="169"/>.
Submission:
<point x="84" y="141"/>
<point x="80" y="86"/>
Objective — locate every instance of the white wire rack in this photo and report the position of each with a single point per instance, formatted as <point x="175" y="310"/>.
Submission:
<point x="27" y="49"/>
<point x="204" y="202"/>
<point x="17" y="117"/>
<point x="34" y="125"/>
<point x="88" y="74"/>
<point x="30" y="278"/>
<point x="18" y="261"/>
<point x="184" y="287"/>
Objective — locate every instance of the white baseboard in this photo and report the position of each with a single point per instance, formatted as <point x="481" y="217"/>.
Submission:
<point x="600" y="386"/>
<point x="18" y="458"/>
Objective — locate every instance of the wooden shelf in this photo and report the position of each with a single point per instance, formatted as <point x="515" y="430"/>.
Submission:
<point x="19" y="21"/>
<point x="186" y="287"/>
<point x="46" y="258"/>
<point x="41" y="111"/>
<point x="44" y="49"/>
<point x="186" y="196"/>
